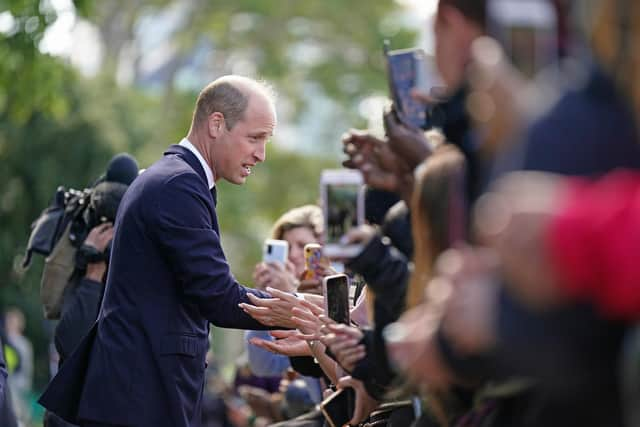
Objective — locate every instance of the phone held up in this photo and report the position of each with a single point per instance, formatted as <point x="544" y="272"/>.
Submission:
<point x="336" y="297"/>
<point x="275" y="251"/>
<point x="408" y="69"/>
<point x="342" y="194"/>
<point x="527" y="31"/>
<point x="338" y="408"/>
<point x="314" y="263"/>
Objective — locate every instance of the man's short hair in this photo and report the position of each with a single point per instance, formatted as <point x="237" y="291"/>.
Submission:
<point x="229" y="95"/>
<point x="474" y="10"/>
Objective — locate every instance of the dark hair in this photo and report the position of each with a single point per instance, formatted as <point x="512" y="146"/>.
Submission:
<point x="474" y="10"/>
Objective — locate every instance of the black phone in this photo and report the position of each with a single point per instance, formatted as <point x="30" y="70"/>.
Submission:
<point x="408" y="69"/>
<point x="338" y="408"/>
<point x="336" y="297"/>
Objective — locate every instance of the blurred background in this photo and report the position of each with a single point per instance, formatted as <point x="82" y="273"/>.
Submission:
<point x="83" y="80"/>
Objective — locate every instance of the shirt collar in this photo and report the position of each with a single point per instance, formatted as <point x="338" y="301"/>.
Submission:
<point x="207" y="170"/>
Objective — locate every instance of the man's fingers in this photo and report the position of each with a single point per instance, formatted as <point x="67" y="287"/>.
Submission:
<point x="264" y="344"/>
<point x="345" y="330"/>
<point x="308" y="337"/>
<point x="303" y="314"/>
<point x="285" y="296"/>
<point x="313" y="308"/>
<point x="279" y="334"/>
<point x="326" y="319"/>
<point x="261" y="302"/>
<point x="304" y="325"/>
<point x="259" y="313"/>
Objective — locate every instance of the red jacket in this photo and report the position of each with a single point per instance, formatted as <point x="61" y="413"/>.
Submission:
<point x="594" y="243"/>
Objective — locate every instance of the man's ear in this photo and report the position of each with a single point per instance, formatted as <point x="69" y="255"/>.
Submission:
<point x="215" y="124"/>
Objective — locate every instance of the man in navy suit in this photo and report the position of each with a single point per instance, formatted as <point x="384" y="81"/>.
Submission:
<point x="143" y="362"/>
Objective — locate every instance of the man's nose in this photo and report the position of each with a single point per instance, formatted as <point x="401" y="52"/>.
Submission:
<point x="261" y="153"/>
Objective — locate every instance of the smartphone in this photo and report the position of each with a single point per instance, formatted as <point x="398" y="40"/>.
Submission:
<point x="275" y="251"/>
<point x="313" y="268"/>
<point x="527" y="31"/>
<point x="338" y="408"/>
<point x="336" y="297"/>
<point x="342" y="194"/>
<point x="408" y="69"/>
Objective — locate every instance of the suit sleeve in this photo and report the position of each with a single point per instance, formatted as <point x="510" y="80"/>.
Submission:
<point x="184" y="232"/>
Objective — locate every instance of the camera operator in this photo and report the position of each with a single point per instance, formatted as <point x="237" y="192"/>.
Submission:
<point x="82" y="301"/>
<point x="82" y="298"/>
<point x="83" y="294"/>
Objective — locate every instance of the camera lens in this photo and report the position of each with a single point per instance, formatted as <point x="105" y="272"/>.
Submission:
<point x="269" y="249"/>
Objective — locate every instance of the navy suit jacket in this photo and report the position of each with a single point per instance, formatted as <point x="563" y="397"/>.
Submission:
<point x="143" y="362"/>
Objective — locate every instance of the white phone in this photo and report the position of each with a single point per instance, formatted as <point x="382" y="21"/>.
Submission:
<point x="342" y="194"/>
<point x="528" y="32"/>
<point x="275" y="251"/>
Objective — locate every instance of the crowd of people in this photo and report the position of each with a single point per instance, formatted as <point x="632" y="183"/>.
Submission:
<point x="496" y="285"/>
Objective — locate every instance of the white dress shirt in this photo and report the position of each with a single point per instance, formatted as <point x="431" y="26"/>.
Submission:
<point x="207" y="170"/>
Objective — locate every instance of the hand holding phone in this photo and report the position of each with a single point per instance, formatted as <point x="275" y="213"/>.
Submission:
<point x="275" y="251"/>
<point x="527" y="31"/>
<point x="315" y="264"/>
<point x="338" y="407"/>
<point x="336" y="297"/>
<point x="409" y="70"/>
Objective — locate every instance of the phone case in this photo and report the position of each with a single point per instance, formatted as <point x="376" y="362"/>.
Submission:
<point x="315" y="264"/>
<point x="342" y="194"/>
<point x="406" y="69"/>
<point x="275" y="251"/>
<point x="336" y="297"/>
<point x="338" y="408"/>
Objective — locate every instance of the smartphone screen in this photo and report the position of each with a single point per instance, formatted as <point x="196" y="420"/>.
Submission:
<point x="342" y="210"/>
<point x="336" y="294"/>
<point x="527" y="30"/>
<point x="408" y="69"/>
<point x="342" y="193"/>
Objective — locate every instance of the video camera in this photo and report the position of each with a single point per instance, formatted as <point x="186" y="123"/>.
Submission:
<point x="81" y="210"/>
<point x="60" y="230"/>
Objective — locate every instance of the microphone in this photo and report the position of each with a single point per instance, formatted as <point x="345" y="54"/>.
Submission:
<point x="105" y="200"/>
<point x="122" y="168"/>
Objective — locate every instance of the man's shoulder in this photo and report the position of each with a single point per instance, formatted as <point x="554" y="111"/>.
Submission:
<point x="171" y="171"/>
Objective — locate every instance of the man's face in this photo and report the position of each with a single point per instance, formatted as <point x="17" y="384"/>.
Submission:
<point x="242" y="147"/>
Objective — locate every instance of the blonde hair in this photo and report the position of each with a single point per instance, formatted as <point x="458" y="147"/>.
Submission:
<point x="309" y="216"/>
<point x="439" y="184"/>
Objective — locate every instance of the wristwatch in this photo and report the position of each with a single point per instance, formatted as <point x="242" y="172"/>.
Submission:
<point x="88" y="255"/>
